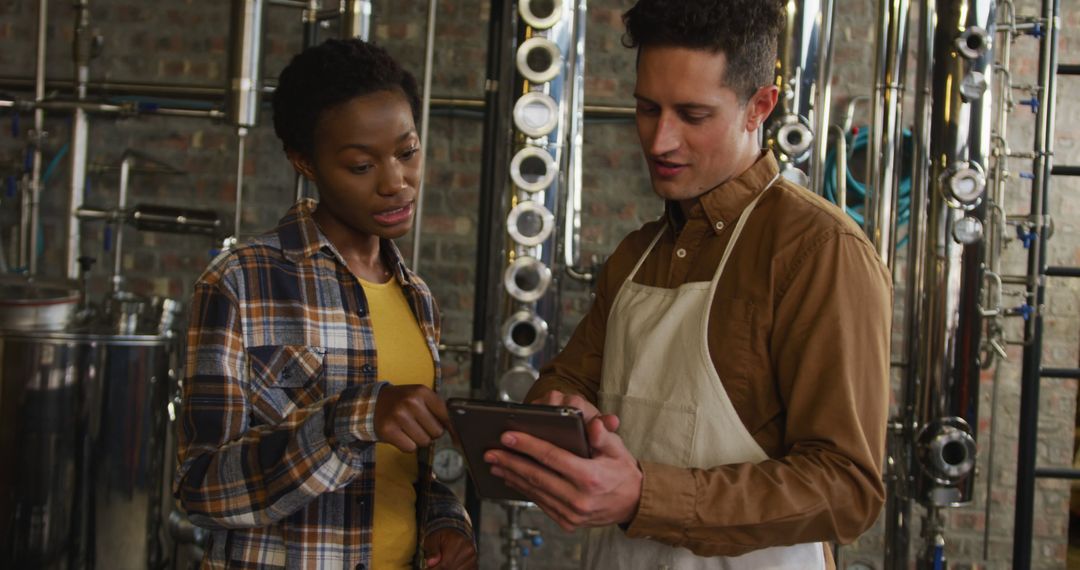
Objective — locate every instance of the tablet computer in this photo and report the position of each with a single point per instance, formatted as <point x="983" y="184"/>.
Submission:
<point x="480" y="423"/>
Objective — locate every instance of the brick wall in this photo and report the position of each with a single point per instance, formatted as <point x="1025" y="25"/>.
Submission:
<point x="182" y="41"/>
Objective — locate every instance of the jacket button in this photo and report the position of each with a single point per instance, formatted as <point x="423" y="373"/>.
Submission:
<point x="361" y="566"/>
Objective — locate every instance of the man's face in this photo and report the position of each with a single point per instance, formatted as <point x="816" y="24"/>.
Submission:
<point x="694" y="131"/>
<point x="366" y="164"/>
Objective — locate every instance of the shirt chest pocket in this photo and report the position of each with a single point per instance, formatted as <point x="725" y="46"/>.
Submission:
<point x="285" y="378"/>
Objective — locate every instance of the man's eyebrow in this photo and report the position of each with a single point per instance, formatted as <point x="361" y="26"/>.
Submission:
<point x="688" y="106"/>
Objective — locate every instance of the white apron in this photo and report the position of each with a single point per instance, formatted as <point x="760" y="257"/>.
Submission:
<point x="658" y="377"/>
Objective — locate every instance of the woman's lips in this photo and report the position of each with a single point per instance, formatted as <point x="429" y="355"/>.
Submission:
<point x="395" y="216"/>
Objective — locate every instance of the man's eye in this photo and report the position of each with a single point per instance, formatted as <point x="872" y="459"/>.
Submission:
<point x="649" y="111"/>
<point x="694" y="118"/>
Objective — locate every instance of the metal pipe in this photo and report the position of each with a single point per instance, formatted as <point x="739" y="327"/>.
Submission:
<point x="841" y="166"/>
<point x="212" y="93"/>
<point x="823" y="99"/>
<point x="886" y="131"/>
<point x="80" y="134"/>
<point x="899" y="486"/>
<point x="245" y="62"/>
<point x="241" y="136"/>
<point x="356" y="19"/>
<point x="30" y="222"/>
<point x="425" y="116"/>
<point x="1036" y="291"/>
<point x="122" y="109"/>
<point x="572" y="221"/>
<point x="796" y="127"/>
<point x="296" y="4"/>
<point x="311" y="23"/>
<point x="493" y="173"/>
<point x="121" y="204"/>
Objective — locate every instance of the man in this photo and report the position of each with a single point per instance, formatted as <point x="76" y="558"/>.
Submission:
<point x="312" y="366"/>
<point x="734" y="365"/>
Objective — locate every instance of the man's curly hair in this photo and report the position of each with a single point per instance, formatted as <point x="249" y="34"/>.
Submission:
<point x="327" y="75"/>
<point x="744" y="31"/>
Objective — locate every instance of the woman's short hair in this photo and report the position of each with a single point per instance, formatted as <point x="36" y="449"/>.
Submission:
<point x="327" y="75"/>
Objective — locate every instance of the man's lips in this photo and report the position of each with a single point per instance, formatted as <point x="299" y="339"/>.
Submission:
<point x="667" y="169"/>
<point x="395" y="216"/>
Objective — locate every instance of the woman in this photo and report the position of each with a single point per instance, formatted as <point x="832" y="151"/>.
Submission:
<point x="312" y="365"/>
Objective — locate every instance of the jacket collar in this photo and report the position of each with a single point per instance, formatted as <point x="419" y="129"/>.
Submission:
<point x="301" y="239"/>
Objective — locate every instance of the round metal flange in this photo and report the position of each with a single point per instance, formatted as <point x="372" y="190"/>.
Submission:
<point x="527" y="279"/>
<point x="540" y="14"/>
<point x="536" y="114"/>
<point x="539" y="59"/>
<point x="524" y="333"/>
<point x="530" y="223"/>
<point x="533" y="169"/>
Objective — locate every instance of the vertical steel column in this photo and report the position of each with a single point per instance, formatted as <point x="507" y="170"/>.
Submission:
<point x="80" y="135"/>
<point x="30" y="221"/>
<point x="1036" y="291"/>
<point x="494" y="171"/>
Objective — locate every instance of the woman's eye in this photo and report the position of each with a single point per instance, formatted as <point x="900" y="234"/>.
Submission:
<point x="408" y="154"/>
<point x="360" y="169"/>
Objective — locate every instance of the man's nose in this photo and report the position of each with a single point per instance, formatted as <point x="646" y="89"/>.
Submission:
<point x="666" y="137"/>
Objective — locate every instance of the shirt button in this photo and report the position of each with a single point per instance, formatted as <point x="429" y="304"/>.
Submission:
<point x="719" y="225"/>
<point x="680" y="252"/>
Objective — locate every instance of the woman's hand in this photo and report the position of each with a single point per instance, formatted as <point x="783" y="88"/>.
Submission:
<point x="449" y="549"/>
<point x="409" y="417"/>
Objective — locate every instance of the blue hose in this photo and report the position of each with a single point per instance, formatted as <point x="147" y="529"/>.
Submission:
<point x="856" y="191"/>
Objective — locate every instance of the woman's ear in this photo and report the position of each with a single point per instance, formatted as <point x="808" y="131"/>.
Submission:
<point x="301" y="163"/>
<point x="760" y="106"/>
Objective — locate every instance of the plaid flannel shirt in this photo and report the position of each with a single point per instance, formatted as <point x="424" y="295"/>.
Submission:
<point x="276" y="451"/>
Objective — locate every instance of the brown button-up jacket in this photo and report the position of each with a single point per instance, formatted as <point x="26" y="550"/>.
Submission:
<point x="799" y="334"/>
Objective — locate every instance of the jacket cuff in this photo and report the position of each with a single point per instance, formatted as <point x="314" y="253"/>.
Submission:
<point x="667" y="504"/>
<point x="354" y="414"/>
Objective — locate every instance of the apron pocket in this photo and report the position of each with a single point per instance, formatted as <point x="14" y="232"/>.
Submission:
<point x="654" y="430"/>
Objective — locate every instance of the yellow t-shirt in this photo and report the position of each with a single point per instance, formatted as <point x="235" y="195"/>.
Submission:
<point x="402" y="357"/>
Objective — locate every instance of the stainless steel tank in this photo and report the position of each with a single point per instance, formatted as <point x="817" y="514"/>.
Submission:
<point x="83" y="425"/>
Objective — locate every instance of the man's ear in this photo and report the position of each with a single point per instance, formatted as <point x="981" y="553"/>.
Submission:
<point x="760" y="105"/>
<point x="301" y="164"/>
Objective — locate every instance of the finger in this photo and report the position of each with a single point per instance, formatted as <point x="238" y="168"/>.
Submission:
<point x="611" y="422"/>
<point x="395" y="437"/>
<point x="437" y="407"/>
<point x="426" y="420"/>
<point x="554" y="458"/>
<point x="552" y="398"/>
<point x="535" y="480"/>
<point x="552" y="506"/>
<point x="414" y="431"/>
<point x="603" y="440"/>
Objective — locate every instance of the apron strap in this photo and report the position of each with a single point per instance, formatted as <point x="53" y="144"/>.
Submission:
<point x="745" y="215"/>
<point x="648" y="250"/>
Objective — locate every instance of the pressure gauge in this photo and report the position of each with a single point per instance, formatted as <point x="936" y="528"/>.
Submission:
<point x="448" y="464"/>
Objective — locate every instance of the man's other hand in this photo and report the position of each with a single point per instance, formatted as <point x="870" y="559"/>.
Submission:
<point x="574" y="491"/>
<point x="557" y="398"/>
<point x="409" y="417"/>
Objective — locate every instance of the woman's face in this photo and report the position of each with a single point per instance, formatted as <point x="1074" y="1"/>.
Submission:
<point x="366" y="162"/>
